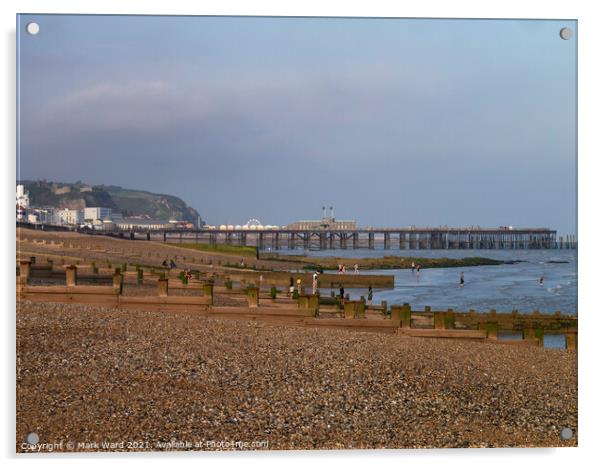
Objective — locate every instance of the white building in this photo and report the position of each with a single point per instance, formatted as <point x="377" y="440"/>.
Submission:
<point x="97" y="213"/>
<point x="22" y="202"/>
<point x="70" y="216"/>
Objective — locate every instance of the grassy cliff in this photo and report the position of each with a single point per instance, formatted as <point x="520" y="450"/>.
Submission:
<point x="127" y="201"/>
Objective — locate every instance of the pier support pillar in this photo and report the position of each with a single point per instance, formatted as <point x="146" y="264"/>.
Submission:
<point x="371" y="240"/>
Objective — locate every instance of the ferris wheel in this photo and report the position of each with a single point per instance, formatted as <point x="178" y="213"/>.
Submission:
<point x="253" y="223"/>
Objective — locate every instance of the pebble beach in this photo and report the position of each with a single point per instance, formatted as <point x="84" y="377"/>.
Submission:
<point x="90" y="376"/>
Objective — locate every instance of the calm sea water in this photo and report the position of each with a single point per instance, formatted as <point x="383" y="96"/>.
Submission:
<point x="504" y="287"/>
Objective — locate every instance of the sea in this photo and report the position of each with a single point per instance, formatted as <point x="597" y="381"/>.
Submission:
<point x="504" y="287"/>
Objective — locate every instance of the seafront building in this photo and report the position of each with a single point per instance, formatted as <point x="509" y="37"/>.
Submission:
<point x="22" y="202"/>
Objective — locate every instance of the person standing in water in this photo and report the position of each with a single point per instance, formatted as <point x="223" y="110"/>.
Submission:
<point x="462" y="279"/>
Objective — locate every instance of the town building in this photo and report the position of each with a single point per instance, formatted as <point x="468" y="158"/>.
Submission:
<point x="97" y="213"/>
<point x="69" y="216"/>
<point x="22" y="203"/>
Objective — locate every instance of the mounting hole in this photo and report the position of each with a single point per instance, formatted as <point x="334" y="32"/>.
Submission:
<point x="32" y="28"/>
<point x="566" y="33"/>
<point x="32" y="438"/>
<point x="566" y="434"/>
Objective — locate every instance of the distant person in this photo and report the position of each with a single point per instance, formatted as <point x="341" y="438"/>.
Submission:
<point x="291" y="282"/>
<point x="356" y="268"/>
<point x="343" y="269"/>
<point x="340" y="269"/>
<point x="299" y="286"/>
<point x="342" y="292"/>
<point x="370" y="295"/>
<point x="413" y="266"/>
<point x="417" y="269"/>
<point x="541" y="280"/>
<point x="461" y="279"/>
<point x="314" y="283"/>
<point x="172" y="264"/>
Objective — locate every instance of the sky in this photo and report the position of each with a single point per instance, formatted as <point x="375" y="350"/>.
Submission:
<point x="394" y="122"/>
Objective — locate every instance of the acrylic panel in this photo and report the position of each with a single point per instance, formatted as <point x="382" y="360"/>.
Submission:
<point x="293" y="233"/>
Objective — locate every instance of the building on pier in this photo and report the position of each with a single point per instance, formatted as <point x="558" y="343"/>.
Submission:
<point x="328" y="222"/>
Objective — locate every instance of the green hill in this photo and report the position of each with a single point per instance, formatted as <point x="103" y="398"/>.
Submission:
<point x="129" y="202"/>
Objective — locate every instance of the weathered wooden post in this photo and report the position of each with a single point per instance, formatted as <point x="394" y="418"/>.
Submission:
<point x="396" y="313"/>
<point x="570" y="339"/>
<point x="118" y="281"/>
<point x="349" y="309"/>
<point x="406" y="316"/>
<point x="303" y="301"/>
<point x="539" y="335"/>
<point x="491" y="329"/>
<point x="313" y="303"/>
<point x="450" y="319"/>
<point x="253" y="297"/>
<point x="163" y="287"/>
<point x="208" y="291"/>
<point x="360" y="309"/>
<point x="24" y="271"/>
<point x="439" y="319"/>
<point x="71" y="276"/>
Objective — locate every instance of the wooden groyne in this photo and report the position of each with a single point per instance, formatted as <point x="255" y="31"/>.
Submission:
<point x="306" y="310"/>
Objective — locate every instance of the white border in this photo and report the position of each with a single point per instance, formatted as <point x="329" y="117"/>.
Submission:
<point x="590" y="77"/>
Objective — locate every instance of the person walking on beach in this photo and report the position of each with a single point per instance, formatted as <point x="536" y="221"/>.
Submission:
<point x="340" y="269"/>
<point x="299" y="286"/>
<point x="291" y="286"/>
<point x="462" y="279"/>
<point x="343" y="270"/>
<point x="370" y="295"/>
<point x="417" y="269"/>
<point x="342" y="292"/>
<point x="356" y="268"/>
<point x="413" y="266"/>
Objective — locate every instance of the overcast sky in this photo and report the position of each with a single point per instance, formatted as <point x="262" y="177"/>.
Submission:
<point x="393" y="122"/>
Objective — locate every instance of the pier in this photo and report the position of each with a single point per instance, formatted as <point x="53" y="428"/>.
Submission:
<point x="387" y="238"/>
